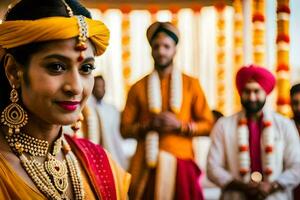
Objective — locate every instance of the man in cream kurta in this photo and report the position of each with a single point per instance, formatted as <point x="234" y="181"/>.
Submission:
<point x="255" y="154"/>
<point x="103" y="124"/>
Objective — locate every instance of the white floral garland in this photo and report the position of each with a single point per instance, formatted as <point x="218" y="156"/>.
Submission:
<point x="92" y="123"/>
<point x="155" y="106"/>
<point x="154" y="92"/>
<point x="268" y="156"/>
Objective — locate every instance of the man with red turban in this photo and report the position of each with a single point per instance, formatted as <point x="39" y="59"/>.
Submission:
<point x="258" y="74"/>
<point x="255" y="153"/>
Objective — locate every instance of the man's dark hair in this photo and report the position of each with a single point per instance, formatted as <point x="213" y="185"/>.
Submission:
<point x="295" y="89"/>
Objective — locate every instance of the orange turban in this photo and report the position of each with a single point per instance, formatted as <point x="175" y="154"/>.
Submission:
<point x="165" y="27"/>
<point x="259" y="74"/>
<point x="22" y="32"/>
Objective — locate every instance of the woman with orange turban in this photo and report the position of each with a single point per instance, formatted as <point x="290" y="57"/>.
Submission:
<point x="46" y="62"/>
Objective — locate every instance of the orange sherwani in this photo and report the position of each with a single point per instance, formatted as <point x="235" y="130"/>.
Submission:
<point x="194" y="110"/>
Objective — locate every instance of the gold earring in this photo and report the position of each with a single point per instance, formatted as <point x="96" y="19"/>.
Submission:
<point x="76" y="126"/>
<point x="14" y="116"/>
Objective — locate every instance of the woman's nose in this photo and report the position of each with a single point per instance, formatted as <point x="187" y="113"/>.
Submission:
<point x="73" y="83"/>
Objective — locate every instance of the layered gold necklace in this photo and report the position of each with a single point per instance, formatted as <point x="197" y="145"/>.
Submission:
<point x="51" y="176"/>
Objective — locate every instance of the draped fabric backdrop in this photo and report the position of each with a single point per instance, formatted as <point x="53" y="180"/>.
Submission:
<point x="196" y="53"/>
<point x="128" y="58"/>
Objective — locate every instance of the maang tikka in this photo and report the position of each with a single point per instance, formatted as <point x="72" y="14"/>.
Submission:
<point x="14" y="116"/>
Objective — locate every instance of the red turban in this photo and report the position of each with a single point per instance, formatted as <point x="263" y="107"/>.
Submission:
<point x="259" y="74"/>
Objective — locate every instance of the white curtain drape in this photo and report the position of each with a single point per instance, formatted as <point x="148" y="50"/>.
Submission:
<point x="195" y="53"/>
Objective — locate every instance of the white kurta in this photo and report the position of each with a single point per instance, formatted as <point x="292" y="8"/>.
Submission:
<point x="104" y="128"/>
<point x="223" y="160"/>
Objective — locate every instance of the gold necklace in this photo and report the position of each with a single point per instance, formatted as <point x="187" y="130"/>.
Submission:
<point x="51" y="177"/>
<point x="58" y="172"/>
<point x="25" y="143"/>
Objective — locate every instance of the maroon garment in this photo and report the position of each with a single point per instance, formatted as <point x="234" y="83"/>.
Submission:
<point x="255" y="131"/>
<point x="296" y="192"/>
<point x="188" y="181"/>
<point x="95" y="161"/>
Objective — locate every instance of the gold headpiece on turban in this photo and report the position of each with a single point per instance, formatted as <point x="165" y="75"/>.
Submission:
<point x="22" y="32"/>
<point x="165" y="27"/>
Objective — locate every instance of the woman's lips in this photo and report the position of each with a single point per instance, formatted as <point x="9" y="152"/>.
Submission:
<point x="69" y="105"/>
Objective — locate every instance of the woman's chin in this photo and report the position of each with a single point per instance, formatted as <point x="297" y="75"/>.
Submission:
<point x="68" y="119"/>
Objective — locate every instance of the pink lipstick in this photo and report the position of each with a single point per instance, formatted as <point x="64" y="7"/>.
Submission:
<point x="69" y="105"/>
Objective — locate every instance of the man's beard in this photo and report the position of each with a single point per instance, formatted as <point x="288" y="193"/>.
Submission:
<point x="253" y="107"/>
<point x="163" y="65"/>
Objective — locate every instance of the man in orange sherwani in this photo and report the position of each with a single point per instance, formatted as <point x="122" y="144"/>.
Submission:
<point x="163" y="112"/>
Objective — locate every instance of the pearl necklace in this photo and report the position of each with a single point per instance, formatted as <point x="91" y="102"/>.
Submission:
<point x="155" y="106"/>
<point x="268" y="140"/>
<point x="27" y="144"/>
<point x="50" y="177"/>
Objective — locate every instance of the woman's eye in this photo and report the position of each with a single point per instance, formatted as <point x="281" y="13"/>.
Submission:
<point x="56" y="67"/>
<point x="87" y="68"/>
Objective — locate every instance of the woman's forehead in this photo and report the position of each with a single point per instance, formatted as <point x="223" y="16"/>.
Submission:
<point x="65" y="47"/>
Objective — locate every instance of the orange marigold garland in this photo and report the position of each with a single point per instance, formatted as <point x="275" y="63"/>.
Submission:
<point x="126" y="55"/>
<point x="238" y="45"/>
<point x="221" y="42"/>
<point x="174" y="10"/>
<point x="283" y="69"/>
<point x="196" y="34"/>
<point x="153" y="9"/>
<point x="258" y="20"/>
<point x="268" y="141"/>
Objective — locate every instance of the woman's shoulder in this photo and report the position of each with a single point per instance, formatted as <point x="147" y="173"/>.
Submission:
<point x="100" y="165"/>
<point x="121" y="178"/>
<point x="85" y="147"/>
<point x="12" y="186"/>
